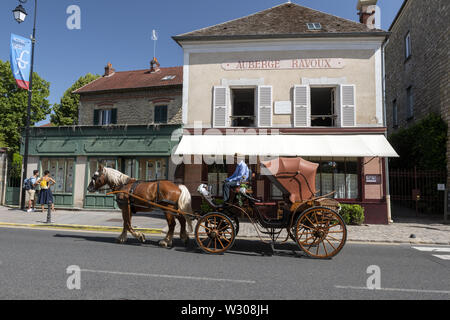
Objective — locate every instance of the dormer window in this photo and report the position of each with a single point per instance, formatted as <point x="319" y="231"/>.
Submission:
<point x="314" y="26"/>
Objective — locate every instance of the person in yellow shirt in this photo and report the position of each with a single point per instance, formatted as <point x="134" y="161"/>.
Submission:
<point x="46" y="195"/>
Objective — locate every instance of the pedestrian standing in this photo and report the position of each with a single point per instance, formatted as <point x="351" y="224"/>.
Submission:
<point x="30" y="191"/>
<point x="45" y="195"/>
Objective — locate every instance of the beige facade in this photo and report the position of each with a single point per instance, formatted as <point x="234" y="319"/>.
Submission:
<point x="204" y="70"/>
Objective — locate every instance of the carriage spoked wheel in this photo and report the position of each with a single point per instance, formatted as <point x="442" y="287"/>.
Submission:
<point x="320" y="232"/>
<point x="215" y="233"/>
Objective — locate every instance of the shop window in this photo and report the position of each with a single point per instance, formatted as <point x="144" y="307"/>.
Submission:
<point x="153" y="169"/>
<point x="217" y="173"/>
<point x="243" y="108"/>
<point x="339" y="175"/>
<point x="161" y="114"/>
<point x="105" y="162"/>
<point x="62" y="171"/>
<point x="323" y="107"/>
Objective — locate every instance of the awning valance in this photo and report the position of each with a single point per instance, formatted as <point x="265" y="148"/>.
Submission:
<point x="369" y="145"/>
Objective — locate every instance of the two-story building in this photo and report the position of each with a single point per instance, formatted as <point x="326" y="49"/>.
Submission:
<point x="288" y="81"/>
<point x="127" y="120"/>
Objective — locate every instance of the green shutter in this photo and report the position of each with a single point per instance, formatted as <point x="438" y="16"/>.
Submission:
<point x="96" y="117"/>
<point x="114" y="116"/>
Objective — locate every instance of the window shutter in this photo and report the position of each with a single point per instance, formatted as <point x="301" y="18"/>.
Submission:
<point x="348" y="106"/>
<point x="302" y="106"/>
<point x="96" y="117"/>
<point x="265" y="103"/>
<point x="114" y="116"/>
<point x="220" y="110"/>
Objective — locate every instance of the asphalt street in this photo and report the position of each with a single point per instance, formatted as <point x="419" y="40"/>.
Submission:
<point x="38" y="264"/>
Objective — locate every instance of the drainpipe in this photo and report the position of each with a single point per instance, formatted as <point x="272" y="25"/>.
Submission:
<point x="386" y="160"/>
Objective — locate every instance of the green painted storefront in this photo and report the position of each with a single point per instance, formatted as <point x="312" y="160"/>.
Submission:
<point x="72" y="154"/>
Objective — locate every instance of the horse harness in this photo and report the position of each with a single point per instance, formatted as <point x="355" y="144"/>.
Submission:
<point x="159" y="199"/>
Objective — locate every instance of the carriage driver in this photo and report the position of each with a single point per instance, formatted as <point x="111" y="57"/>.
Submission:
<point x="240" y="175"/>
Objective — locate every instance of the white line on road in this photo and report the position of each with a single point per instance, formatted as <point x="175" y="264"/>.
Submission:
<point x="394" y="289"/>
<point x="169" y="276"/>
<point x="432" y="249"/>
<point x="442" y="256"/>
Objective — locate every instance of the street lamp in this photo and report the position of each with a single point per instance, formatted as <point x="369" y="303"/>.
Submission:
<point x="19" y="15"/>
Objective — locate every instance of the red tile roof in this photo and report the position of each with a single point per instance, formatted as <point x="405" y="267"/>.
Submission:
<point x="138" y="79"/>
<point x="287" y="20"/>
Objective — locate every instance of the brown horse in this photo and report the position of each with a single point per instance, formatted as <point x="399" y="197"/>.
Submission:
<point x="166" y="192"/>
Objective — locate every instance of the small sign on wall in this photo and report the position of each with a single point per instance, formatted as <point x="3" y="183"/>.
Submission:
<point x="283" y="107"/>
<point x="373" y="179"/>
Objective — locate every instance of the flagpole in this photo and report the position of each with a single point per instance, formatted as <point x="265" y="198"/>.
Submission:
<point x="30" y="97"/>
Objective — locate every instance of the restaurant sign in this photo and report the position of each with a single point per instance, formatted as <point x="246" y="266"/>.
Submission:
<point x="315" y="63"/>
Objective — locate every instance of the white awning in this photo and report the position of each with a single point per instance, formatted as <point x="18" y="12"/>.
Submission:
<point x="370" y="145"/>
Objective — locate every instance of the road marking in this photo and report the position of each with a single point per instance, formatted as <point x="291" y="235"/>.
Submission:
<point x="441" y="256"/>
<point x="432" y="249"/>
<point x="394" y="289"/>
<point x="169" y="276"/>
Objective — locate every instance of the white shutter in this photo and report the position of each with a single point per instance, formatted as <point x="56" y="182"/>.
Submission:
<point x="220" y="110"/>
<point x="265" y="102"/>
<point x="302" y="106"/>
<point x="348" y="106"/>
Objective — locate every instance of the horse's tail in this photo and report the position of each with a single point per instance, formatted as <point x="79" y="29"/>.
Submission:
<point x="185" y="205"/>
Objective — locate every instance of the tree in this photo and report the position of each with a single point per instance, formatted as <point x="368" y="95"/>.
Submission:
<point x="66" y="112"/>
<point x="13" y="106"/>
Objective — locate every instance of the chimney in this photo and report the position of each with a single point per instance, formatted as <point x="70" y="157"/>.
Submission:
<point x="154" y="65"/>
<point x="109" y="70"/>
<point x="368" y="12"/>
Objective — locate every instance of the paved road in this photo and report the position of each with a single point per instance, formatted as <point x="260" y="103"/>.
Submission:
<point x="33" y="265"/>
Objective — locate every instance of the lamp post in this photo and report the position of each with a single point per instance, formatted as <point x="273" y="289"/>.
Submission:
<point x="19" y="15"/>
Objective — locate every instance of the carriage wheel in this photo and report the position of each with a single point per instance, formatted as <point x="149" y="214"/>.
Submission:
<point x="320" y="232"/>
<point x="215" y="233"/>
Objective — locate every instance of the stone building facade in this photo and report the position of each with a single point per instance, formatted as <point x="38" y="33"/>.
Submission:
<point x="418" y="64"/>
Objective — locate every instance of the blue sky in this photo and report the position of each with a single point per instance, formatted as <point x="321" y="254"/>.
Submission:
<point x="120" y="31"/>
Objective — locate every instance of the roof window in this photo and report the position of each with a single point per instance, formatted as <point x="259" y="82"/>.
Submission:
<point x="314" y="26"/>
<point x="166" y="78"/>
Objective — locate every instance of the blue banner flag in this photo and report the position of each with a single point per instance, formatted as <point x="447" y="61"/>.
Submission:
<point x="20" y="59"/>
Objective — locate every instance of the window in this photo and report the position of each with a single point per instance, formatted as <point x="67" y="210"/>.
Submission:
<point x="105" y="117"/>
<point x="153" y="169"/>
<point x="314" y="26"/>
<point x="167" y="78"/>
<point x="394" y="114"/>
<point x="217" y="173"/>
<point x="408" y="46"/>
<point x="243" y="108"/>
<point x="160" y="114"/>
<point x="62" y="171"/>
<point x="323" y="107"/>
<point x="275" y="193"/>
<point x="409" y="103"/>
<point x="339" y="175"/>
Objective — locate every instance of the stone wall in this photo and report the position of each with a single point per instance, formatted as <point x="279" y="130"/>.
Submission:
<point x="133" y="107"/>
<point x="428" y="68"/>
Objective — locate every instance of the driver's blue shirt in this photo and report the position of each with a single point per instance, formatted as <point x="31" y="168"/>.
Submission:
<point x="241" y="174"/>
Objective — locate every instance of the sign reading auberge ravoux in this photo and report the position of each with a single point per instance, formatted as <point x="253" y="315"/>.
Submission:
<point x="314" y="63"/>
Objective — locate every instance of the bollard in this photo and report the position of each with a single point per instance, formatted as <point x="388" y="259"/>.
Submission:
<point x="49" y="213"/>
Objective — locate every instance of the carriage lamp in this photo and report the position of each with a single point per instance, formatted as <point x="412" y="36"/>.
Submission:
<point x="19" y="14"/>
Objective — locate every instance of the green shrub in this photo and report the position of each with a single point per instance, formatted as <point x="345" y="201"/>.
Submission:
<point x="352" y="214"/>
<point x="206" y="208"/>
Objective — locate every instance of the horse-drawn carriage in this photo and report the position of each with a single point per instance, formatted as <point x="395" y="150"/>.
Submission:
<point x="312" y="222"/>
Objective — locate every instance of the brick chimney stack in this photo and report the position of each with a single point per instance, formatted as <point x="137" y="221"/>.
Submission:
<point x="367" y="11"/>
<point x="109" y="70"/>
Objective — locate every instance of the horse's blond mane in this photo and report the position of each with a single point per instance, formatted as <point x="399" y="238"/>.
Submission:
<point x="115" y="177"/>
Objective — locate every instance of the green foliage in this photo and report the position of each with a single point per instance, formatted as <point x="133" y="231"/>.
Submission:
<point x="13" y="106"/>
<point x="423" y="145"/>
<point x="206" y="208"/>
<point x="66" y="112"/>
<point x="15" y="168"/>
<point x="352" y="214"/>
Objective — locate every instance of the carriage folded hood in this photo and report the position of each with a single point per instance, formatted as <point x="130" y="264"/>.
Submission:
<point x="296" y="176"/>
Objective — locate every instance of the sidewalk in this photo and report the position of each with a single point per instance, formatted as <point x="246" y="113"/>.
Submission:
<point x="424" y="231"/>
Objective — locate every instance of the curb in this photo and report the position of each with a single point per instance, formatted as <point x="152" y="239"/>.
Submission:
<point x="78" y="227"/>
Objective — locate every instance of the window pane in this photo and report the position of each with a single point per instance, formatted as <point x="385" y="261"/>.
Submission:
<point x="161" y="114"/>
<point x="339" y="179"/>
<point x="352" y="179"/>
<point x="275" y="192"/>
<point x="69" y="175"/>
